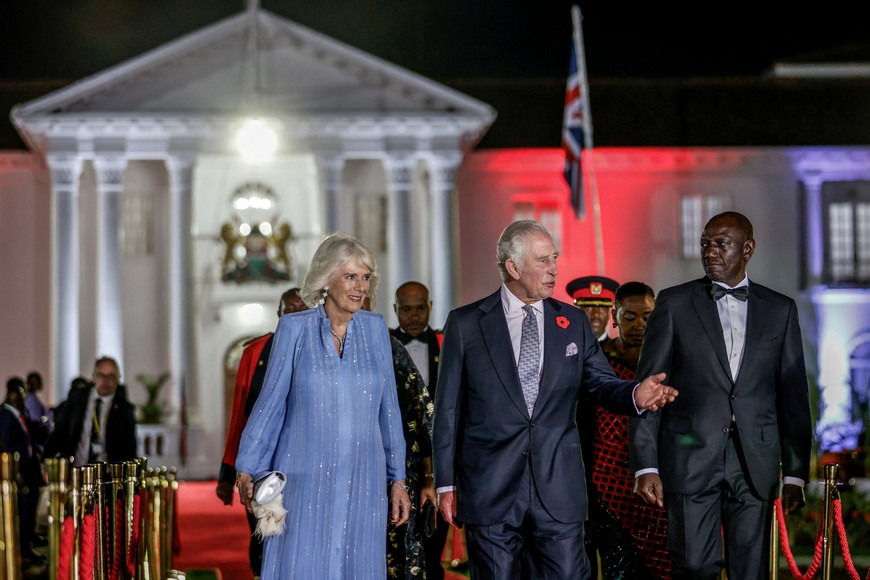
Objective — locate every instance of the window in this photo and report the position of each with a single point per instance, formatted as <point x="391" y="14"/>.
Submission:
<point x="137" y="227"/>
<point x="546" y="213"/>
<point x="846" y="218"/>
<point x="695" y="212"/>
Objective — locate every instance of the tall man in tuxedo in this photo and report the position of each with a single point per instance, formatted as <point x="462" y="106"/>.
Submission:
<point x="733" y="348"/>
<point x="506" y="447"/>
<point x="413" y="307"/>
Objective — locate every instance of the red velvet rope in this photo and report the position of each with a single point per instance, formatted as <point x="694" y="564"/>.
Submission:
<point x="133" y="550"/>
<point x="115" y="571"/>
<point x="786" y="549"/>
<point x="844" y="542"/>
<point x="89" y="543"/>
<point x="67" y="534"/>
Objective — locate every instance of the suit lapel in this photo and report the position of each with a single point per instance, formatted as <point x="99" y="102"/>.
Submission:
<point x="705" y="308"/>
<point x="754" y="326"/>
<point x="497" y="337"/>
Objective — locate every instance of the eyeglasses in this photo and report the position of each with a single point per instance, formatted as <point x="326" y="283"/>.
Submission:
<point x="105" y="376"/>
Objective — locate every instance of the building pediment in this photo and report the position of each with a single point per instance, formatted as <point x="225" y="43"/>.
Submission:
<point x="254" y="63"/>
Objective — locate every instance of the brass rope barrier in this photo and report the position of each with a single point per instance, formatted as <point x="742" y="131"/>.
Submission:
<point x="827" y="543"/>
<point x="773" y="570"/>
<point x="106" y="521"/>
<point x="10" y="553"/>
<point x="170" y="486"/>
<point x="132" y="521"/>
<point x="58" y="472"/>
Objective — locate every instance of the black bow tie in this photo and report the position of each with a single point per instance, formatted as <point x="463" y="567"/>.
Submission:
<point x="405" y="338"/>
<point x="741" y="293"/>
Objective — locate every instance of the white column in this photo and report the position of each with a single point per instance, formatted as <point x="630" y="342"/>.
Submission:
<point x="330" y="168"/>
<point x="65" y="175"/>
<point x="110" y="184"/>
<point x="400" y="176"/>
<point x="815" y="229"/>
<point x="445" y="229"/>
<point x="179" y="279"/>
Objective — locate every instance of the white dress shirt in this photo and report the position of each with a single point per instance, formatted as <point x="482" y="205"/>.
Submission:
<point x="419" y="352"/>
<point x="83" y="451"/>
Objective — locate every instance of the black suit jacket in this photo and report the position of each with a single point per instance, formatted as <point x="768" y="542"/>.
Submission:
<point x="15" y="439"/>
<point x="484" y="439"/>
<point x="769" y="398"/>
<point x="120" y="427"/>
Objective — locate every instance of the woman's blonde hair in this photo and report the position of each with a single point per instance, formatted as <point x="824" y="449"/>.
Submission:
<point x="335" y="251"/>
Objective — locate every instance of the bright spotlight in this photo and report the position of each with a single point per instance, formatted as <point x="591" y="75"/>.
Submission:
<point x="256" y="141"/>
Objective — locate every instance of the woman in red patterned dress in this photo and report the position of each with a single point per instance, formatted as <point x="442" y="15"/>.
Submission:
<point x="632" y="534"/>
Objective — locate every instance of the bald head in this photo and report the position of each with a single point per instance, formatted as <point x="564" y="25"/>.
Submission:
<point x="737" y="220"/>
<point x="413" y="307"/>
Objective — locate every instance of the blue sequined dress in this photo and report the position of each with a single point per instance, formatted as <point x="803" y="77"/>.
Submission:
<point x="333" y="426"/>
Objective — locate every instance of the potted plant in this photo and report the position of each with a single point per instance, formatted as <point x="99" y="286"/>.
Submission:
<point x="154" y="409"/>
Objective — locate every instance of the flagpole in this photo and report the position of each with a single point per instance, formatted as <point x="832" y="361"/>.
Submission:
<point x="587" y="140"/>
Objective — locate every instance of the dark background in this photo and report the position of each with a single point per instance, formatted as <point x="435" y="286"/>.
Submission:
<point x="659" y="73"/>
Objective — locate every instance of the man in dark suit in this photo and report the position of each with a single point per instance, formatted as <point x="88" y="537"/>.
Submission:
<point x="96" y="424"/>
<point x="733" y="349"/>
<point x="15" y="438"/>
<point x="507" y="451"/>
<point x="412" y="307"/>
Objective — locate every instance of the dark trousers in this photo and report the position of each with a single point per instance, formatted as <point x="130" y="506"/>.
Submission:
<point x="729" y="506"/>
<point x="433" y="548"/>
<point x="529" y="535"/>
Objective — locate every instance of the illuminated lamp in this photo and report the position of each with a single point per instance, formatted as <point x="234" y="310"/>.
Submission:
<point x="256" y="141"/>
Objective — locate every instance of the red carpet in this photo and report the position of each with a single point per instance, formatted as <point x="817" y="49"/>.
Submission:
<point x="212" y="535"/>
<point x="216" y="536"/>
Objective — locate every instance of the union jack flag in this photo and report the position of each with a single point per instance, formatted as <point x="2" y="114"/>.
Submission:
<point x="575" y="125"/>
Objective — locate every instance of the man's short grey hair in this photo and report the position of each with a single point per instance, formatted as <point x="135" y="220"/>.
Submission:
<point x="335" y="251"/>
<point x="512" y="244"/>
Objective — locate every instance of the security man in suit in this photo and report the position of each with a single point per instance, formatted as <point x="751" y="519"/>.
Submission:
<point x="733" y="348"/>
<point x="413" y="307"/>
<point x="98" y="423"/>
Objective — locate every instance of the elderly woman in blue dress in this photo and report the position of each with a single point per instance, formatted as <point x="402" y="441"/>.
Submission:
<point x="328" y="418"/>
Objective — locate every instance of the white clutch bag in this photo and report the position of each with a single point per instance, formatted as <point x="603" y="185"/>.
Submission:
<point x="268" y="504"/>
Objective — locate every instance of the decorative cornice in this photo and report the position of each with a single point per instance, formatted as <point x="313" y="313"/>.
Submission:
<point x="144" y="136"/>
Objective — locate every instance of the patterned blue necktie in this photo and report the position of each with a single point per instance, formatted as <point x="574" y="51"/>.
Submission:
<point x="529" y="367"/>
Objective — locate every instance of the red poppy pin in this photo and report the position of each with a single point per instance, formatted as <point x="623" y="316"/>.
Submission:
<point x="562" y="322"/>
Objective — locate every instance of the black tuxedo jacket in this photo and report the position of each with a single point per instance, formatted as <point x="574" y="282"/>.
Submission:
<point x="768" y="399"/>
<point x="120" y="427"/>
<point x="484" y="440"/>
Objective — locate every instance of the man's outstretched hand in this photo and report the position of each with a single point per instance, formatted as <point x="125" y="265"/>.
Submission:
<point x="652" y="394"/>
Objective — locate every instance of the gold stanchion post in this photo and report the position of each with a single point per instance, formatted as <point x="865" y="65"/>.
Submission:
<point x="774" y="547"/>
<point x="88" y="506"/>
<point x="831" y="472"/>
<point x="58" y="472"/>
<point x="10" y="552"/>
<point x="170" y="487"/>
<point x="131" y="492"/>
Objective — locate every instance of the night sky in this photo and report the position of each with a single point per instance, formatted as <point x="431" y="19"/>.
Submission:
<point x="445" y="39"/>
